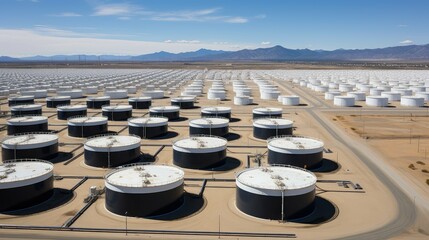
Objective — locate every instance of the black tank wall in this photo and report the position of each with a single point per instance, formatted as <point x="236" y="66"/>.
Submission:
<point x="265" y="133"/>
<point x="26" y="196"/>
<point x="270" y="207"/>
<point x="44" y="153"/>
<point x="258" y="115"/>
<point x="140" y="105"/>
<point x="14" y="129"/>
<point x="54" y="104"/>
<point x="224" y="115"/>
<point x="148" y="132"/>
<point x="20" y="102"/>
<point x="118" y="116"/>
<point x="76" y="131"/>
<point x="183" y="105"/>
<point x="221" y="131"/>
<point x="144" y="205"/>
<point x="26" y="113"/>
<point x="198" y="160"/>
<point x="311" y="160"/>
<point x="64" y="115"/>
<point x="169" y="115"/>
<point x="100" y="159"/>
<point x="97" y="104"/>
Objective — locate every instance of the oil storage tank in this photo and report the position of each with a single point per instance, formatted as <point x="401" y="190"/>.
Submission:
<point x="297" y="151"/>
<point x="67" y="111"/>
<point x="53" y="102"/>
<point x="412" y="101"/>
<point x="275" y="192"/>
<point x="30" y="145"/>
<point x="21" y="100"/>
<point x="83" y="126"/>
<point x="224" y="112"/>
<point x="25" y="183"/>
<point x="264" y="128"/>
<point x="184" y="102"/>
<point x="25" y="110"/>
<point x="199" y="152"/>
<point x="267" y="112"/>
<point x="209" y="126"/>
<point x="139" y="190"/>
<point x="140" y="102"/>
<point x="111" y="150"/>
<point x="148" y="127"/>
<point x="344" y="101"/>
<point x="27" y="124"/>
<point x="170" y="112"/>
<point x="377" y="101"/>
<point x="97" y="102"/>
<point x="117" y="112"/>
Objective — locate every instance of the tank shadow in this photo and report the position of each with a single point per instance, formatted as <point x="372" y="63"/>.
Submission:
<point x="302" y="104"/>
<point x="232" y="136"/>
<point x="327" y="166"/>
<point x="60" y="196"/>
<point x="180" y="119"/>
<point x="234" y="120"/>
<point x="390" y="106"/>
<point x="192" y="204"/>
<point x="357" y="106"/>
<point x="324" y="211"/>
<point x="229" y="163"/>
<point x="146" y="158"/>
<point x="167" y="135"/>
<point x="61" y="157"/>
<point x="194" y="107"/>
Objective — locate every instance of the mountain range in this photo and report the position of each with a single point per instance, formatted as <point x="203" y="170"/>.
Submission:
<point x="276" y="53"/>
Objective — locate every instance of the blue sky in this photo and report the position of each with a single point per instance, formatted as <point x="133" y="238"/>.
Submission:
<point x="48" y="27"/>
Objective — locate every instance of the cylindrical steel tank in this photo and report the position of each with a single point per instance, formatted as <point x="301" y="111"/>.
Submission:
<point x="264" y="128"/>
<point x="296" y="151"/>
<point x="83" y="126"/>
<point x="267" y="113"/>
<point x="27" y="124"/>
<point x="140" y="102"/>
<point x="224" y="112"/>
<point x="209" y="126"/>
<point x="157" y="189"/>
<point x="148" y="127"/>
<point x="117" y="112"/>
<point x="275" y="192"/>
<point x="53" y="102"/>
<point x="25" y="110"/>
<point x="112" y="150"/>
<point x="30" y="145"/>
<point x="170" y="112"/>
<point x="65" y="112"/>
<point x="199" y="152"/>
<point x="97" y="102"/>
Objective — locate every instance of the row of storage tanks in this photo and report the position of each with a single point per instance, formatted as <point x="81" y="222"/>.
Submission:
<point x="282" y="190"/>
<point x="377" y="93"/>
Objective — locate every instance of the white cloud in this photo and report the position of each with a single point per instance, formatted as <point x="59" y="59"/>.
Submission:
<point x="236" y="20"/>
<point x="168" y="41"/>
<point x="114" y="10"/>
<point x="49" y="41"/>
<point x="124" y="18"/>
<point x="402" y="25"/>
<point x="406" y="42"/>
<point x="67" y="14"/>
<point x="260" y="16"/>
<point x="265" y="43"/>
<point x="188" y="41"/>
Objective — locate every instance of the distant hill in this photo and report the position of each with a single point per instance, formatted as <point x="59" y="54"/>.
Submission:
<point x="276" y="53"/>
<point x="166" y="56"/>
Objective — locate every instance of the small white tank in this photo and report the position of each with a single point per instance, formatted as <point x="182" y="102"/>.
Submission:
<point x="377" y="101"/>
<point x="412" y="101"/>
<point x="344" y="101"/>
<point x="290" y="100"/>
<point x="359" y="96"/>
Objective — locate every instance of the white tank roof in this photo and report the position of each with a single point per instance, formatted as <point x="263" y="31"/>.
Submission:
<point x="267" y="110"/>
<point x="24" y="172"/>
<point x="112" y="143"/>
<point x="26" y="97"/>
<point x="183" y="99"/>
<point x="26" y="107"/>
<point x="140" y="178"/>
<point x="27" y="120"/>
<point x="72" y="108"/>
<point x="216" y="110"/>
<point x="165" y="109"/>
<point x="148" y="121"/>
<point x="140" y="99"/>
<point x="209" y="122"/>
<point x="274" y="180"/>
<point x="87" y="121"/>
<point x="99" y="98"/>
<point x="200" y="144"/>
<point x="29" y="141"/>
<point x="58" y="98"/>
<point x="272" y="123"/>
<point x="295" y="145"/>
<point x="117" y="108"/>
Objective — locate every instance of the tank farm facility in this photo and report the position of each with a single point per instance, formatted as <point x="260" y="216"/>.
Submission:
<point x="209" y="154"/>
